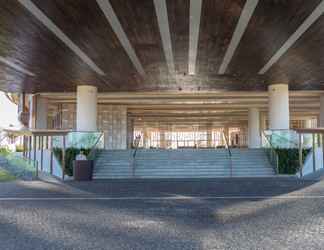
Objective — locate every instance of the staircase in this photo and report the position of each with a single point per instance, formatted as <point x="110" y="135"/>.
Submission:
<point x="182" y="163"/>
<point x="251" y="163"/>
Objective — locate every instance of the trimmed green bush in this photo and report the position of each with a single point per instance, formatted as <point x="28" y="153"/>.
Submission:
<point x="5" y="175"/>
<point x="4" y="151"/>
<point x="70" y="154"/>
<point x="289" y="159"/>
<point x="19" y="148"/>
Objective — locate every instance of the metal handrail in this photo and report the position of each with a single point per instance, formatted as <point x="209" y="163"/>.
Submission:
<point x="136" y="144"/>
<point x="227" y="145"/>
<point x="229" y="152"/>
<point x="281" y="137"/>
<point x="273" y="156"/>
<point x="93" y="149"/>
<point x="75" y="131"/>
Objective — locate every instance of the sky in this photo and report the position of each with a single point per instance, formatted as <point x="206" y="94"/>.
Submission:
<point x="8" y="112"/>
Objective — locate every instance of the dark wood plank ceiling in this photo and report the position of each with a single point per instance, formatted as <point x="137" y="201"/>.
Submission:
<point x="29" y="44"/>
<point x="270" y="26"/>
<point x="25" y="41"/>
<point x="139" y="22"/>
<point x="303" y="64"/>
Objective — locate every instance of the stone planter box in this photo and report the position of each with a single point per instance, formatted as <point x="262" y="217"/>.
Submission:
<point x="82" y="170"/>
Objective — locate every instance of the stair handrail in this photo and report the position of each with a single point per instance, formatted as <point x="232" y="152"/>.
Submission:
<point x="229" y="152"/>
<point x="94" y="147"/>
<point x="271" y="153"/>
<point x="136" y="145"/>
<point x="281" y="137"/>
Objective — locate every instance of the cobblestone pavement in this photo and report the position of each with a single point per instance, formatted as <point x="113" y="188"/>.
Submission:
<point x="193" y="214"/>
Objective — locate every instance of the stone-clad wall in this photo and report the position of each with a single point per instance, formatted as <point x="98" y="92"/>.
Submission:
<point x="112" y="119"/>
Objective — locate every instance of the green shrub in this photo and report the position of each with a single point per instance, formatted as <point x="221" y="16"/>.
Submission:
<point x="5" y="175"/>
<point x="4" y="151"/>
<point x="19" y="148"/>
<point x="289" y="159"/>
<point x="70" y="154"/>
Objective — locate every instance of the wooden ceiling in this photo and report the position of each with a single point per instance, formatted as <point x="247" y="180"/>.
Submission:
<point x="34" y="59"/>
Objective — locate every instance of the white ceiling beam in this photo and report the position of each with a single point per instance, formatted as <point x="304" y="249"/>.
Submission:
<point x="194" y="27"/>
<point x="241" y="26"/>
<point x="317" y="13"/>
<point x="16" y="66"/>
<point x="110" y="14"/>
<point x="33" y="9"/>
<point x="163" y="21"/>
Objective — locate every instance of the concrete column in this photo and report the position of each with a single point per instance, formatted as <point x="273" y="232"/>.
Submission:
<point x="254" y="139"/>
<point x="162" y="139"/>
<point x="308" y="123"/>
<point x="209" y="135"/>
<point x="278" y="106"/>
<point x="86" y="108"/>
<point x="321" y="118"/>
<point x="32" y="112"/>
<point x="263" y="120"/>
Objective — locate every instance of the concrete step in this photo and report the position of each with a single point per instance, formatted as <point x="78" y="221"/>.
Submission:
<point x="183" y="163"/>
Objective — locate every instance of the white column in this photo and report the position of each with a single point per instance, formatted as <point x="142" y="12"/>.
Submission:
<point x="254" y="139"/>
<point x="86" y="108"/>
<point x="278" y="106"/>
<point x="32" y="111"/>
<point x="321" y="119"/>
<point x="308" y="123"/>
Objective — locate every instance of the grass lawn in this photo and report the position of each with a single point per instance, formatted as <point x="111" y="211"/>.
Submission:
<point x="5" y="176"/>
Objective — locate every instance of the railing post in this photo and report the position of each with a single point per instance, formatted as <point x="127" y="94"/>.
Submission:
<point x="63" y="158"/>
<point x="24" y="146"/>
<point x="51" y="150"/>
<point x="34" y="149"/>
<point x="314" y="152"/>
<point x="277" y="164"/>
<point x="300" y="155"/>
<point x="29" y="147"/>
<point x="42" y="152"/>
<point x="323" y="148"/>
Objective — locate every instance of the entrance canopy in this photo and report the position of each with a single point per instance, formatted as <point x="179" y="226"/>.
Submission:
<point x="161" y="45"/>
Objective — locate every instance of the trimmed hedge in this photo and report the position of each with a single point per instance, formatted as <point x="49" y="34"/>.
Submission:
<point x="4" y="151"/>
<point x="70" y="154"/>
<point x="289" y="159"/>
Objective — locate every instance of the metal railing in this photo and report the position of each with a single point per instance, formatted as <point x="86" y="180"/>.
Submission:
<point x="278" y="135"/>
<point x="229" y="153"/>
<point x="136" y="145"/>
<point x="94" y="149"/>
<point x="317" y="144"/>
<point x="270" y="152"/>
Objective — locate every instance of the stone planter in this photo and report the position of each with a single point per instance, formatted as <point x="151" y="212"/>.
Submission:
<point x="82" y="170"/>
